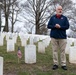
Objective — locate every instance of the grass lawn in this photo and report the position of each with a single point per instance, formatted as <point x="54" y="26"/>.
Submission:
<point x="41" y="67"/>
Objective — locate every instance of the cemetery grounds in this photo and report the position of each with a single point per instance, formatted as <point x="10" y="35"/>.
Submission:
<point x="42" y="66"/>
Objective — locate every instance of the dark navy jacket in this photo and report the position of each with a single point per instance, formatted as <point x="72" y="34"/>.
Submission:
<point x="58" y="33"/>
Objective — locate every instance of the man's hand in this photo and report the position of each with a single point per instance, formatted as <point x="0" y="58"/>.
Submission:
<point x="57" y="26"/>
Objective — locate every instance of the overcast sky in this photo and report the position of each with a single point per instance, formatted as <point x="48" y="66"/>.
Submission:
<point x="20" y="24"/>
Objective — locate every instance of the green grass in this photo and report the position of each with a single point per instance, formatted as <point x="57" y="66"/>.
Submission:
<point x="41" y="67"/>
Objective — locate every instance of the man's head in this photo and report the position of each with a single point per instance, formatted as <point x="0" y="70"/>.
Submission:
<point x="59" y="10"/>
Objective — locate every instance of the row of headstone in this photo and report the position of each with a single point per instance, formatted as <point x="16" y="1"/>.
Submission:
<point x="32" y="38"/>
<point x="23" y="37"/>
<point x="71" y="50"/>
<point x="30" y="50"/>
<point x="12" y="36"/>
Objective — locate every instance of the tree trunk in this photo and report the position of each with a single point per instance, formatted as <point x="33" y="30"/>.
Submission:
<point x="6" y="16"/>
<point x="12" y="20"/>
<point x="6" y="23"/>
<point x="37" y="23"/>
<point x="37" y="18"/>
<point x="37" y="29"/>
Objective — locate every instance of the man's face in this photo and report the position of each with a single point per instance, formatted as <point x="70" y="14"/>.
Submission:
<point x="59" y="10"/>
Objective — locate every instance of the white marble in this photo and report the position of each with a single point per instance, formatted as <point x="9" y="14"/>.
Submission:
<point x="31" y="42"/>
<point x="1" y="41"/>
<point x="10" y="45"/>
<point x="41" y="47"/>
<point x="72" y="55"/>
<point x="68" y="45"/>
<point x="30" y="54"/>
<point x="1" y="65"/>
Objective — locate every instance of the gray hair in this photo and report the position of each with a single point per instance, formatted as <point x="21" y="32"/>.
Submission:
<point x="58" y="6"/>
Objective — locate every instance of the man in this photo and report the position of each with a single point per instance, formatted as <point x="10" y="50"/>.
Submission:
<point x="58" y="25"/>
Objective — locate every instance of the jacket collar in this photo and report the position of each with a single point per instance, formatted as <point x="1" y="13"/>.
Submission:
<point x="58" y="16"/>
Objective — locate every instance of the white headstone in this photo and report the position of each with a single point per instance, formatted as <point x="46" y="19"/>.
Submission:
<point x="23" y="42"/>
<point x="3" y="35"/>
<point x="68" y="45"/>
<point x="7" y="36"/>
<point x="30" y="54"/>
<point x="10" y="45"/>
<point x="46" y="42"/>
<point x="41" y="47"/>
<point x="15" y="39"/>
<point x="75" y="42"/>
<point x="1" y="41"/>
<point x="1" y="65"/>
<point x="31" y="40"/>
<point x="72" y="55"/>
<point x="36" y="39"/>
<point x="41" y="37"/>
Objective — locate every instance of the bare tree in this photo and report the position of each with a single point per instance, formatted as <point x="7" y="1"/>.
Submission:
<point x="29" y="28"/>
<point x="39" y="11"/>
<point x="14" y="11"/>
<point x="9" y="8"/>
<point x="6" y="4"/>
<point x="0" y="13"/>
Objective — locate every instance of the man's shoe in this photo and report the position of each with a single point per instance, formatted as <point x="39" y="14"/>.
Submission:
<point x="55" y="67"/>
<point x="64" y="67"/>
